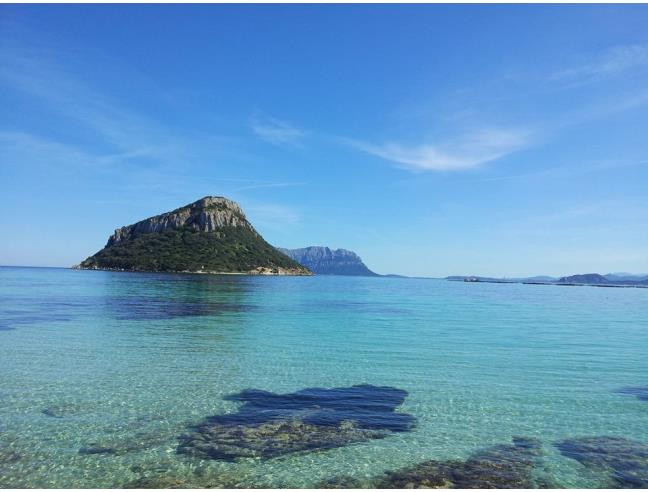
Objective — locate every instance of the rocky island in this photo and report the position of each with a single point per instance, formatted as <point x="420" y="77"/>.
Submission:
<point x="211" y="235"/>
<point x="326" y="261"/>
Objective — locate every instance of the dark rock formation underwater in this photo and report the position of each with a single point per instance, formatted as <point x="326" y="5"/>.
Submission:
<point x="269" y="424"/>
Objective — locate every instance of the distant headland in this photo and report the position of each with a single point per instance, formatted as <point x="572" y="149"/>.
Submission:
<point x="326" y="261"/>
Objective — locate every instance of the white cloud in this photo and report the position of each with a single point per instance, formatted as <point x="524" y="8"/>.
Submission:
<point x="469" y="152"/>
<point x="275" y="131"/>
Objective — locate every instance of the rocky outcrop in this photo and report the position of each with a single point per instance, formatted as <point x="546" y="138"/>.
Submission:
<point x="208" y="214"/>
<point x="211" y="235"/>
<point x="325" y="261"/>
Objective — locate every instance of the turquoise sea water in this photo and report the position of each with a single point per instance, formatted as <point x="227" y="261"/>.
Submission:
<point x="130" y="361"/>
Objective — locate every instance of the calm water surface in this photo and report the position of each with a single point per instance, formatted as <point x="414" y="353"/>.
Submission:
<point x="128" y="362"/>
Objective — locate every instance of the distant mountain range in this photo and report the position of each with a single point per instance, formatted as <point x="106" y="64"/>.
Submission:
<point x="626" y="276"/>
<point x="211" y="235"/>
<point x="322" y="260"/>
<point x="608" y="280"/>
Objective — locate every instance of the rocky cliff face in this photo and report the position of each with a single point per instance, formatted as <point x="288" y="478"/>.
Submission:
<point x="210" y="235"/>
<point x="326" y="261"/>
<point x="208" y="214"/>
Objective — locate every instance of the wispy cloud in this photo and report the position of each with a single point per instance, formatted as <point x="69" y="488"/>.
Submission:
<point x="468" y="152"/>
<point x="258" y="186"/>
<point x="569" y="170"/>
<point x="18" y="145"/>
<point x="612" y="61"/>
<point x="275" y="131"/>
<point x="42" y="76"/>
<point x="272" y="216"/>
<point x="111" y="131"/>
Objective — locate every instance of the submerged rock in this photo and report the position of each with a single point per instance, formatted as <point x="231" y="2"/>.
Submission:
<point x="502" y="466"/>
<point x="139" y="308"/>
<point x="427" y="475"/>
<point x="138" y="442"/>
<point x="9" y="456"/>
<point x="157" y="482"/>
<point x="342" y="482"/>
<point x="61" y="411"/>
<point x="97" y="450"/>
<point x="271" y="439"/>
<point x="68" y="409"/>
<point x="625" y="459"/>
<point x="50" y="412"/>
<point x="641" y="392"/>
<point x="270" y="424"/>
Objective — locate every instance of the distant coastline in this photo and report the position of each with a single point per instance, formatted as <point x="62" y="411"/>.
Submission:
<point x="586" y="280"/>
<point x="453" y="278"/>
<point x="260" y="271"/>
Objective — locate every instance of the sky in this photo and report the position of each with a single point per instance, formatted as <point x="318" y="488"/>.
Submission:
<point x="433" y="140"/>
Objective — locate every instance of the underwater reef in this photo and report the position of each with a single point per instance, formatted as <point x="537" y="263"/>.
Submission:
<point x="625" y="460"/>
<point x="269" y="424"/>
<point x="502" y="466"/>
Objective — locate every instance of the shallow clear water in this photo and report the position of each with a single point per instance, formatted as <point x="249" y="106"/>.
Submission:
<point x="130" y="361"/>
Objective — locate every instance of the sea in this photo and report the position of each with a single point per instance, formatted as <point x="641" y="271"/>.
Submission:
<point x="114" y="379"/>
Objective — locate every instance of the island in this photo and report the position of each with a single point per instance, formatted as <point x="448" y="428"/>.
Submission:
<point x="211" y="235"/>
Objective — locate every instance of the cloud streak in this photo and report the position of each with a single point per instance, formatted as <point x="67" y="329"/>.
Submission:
<point x="468" y="152"/>
<point x="612" y="61"/>
<point x="272" y="216"/>
<point x="570" y="170"/>
<point x="275" y="131"/>
<point x="42" y="77"/>
<point x="259" y="186"/>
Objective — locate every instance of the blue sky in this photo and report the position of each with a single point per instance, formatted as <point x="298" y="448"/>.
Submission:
<point x="432" y="140"/>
